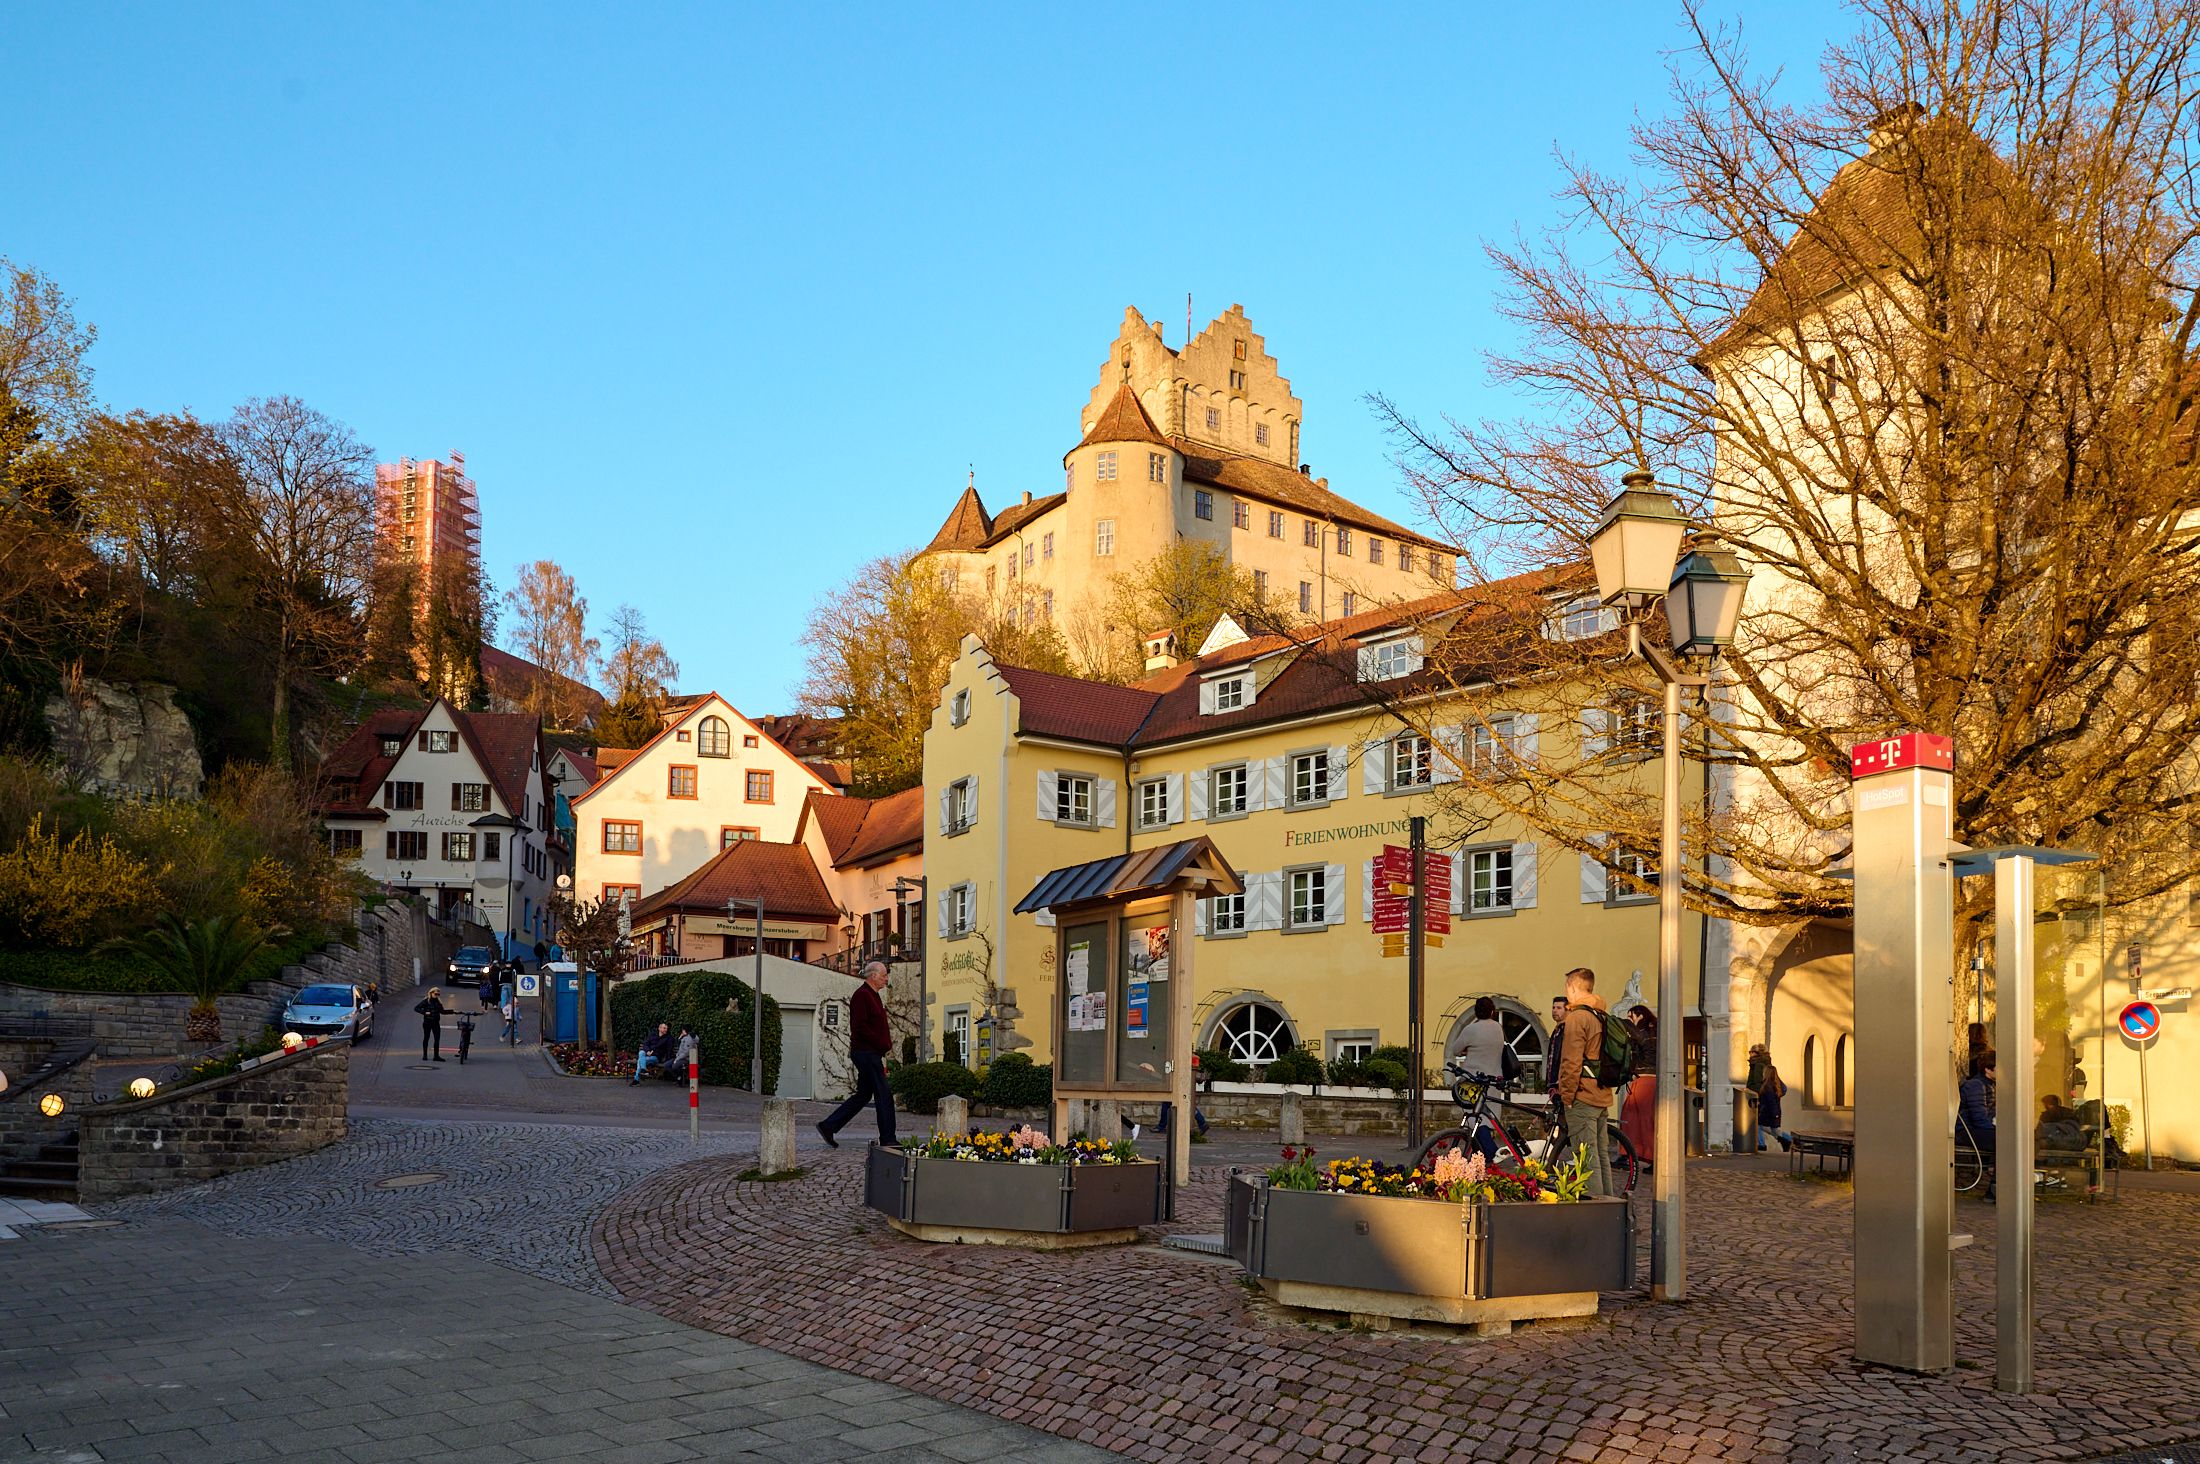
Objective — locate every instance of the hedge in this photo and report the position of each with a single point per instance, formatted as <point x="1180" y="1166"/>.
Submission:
<point x="1296" y="1066"/>
<point x="1015" y="1081"/>
<point x="716" y="1005"/>
<point x="921" y="1085"/>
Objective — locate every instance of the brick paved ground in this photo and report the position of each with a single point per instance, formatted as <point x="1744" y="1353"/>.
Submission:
<point x="165" y="1341"/>
<point x="1167" y="1357"/>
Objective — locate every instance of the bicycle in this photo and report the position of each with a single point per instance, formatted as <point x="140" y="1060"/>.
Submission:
<point x="1474" y="1093"/>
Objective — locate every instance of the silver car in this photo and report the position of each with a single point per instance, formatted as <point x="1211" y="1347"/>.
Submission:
<point x="330" y="1010"/>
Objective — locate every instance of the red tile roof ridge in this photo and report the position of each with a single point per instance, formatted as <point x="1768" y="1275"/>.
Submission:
<point x="784" y="875"/>
<point x="1123" y="419"/>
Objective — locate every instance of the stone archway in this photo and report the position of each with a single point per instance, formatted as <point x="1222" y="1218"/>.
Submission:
<point x="1805" y="1007"/>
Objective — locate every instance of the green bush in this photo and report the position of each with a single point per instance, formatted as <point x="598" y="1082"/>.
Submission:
<point x="1381" y="1072"/>
<point x="1394" y="1052"/>
<point x="717" y="1005"/>
<point x="1296" y="1066"/>
<point x="1214" y="1067"/>
<point x="73" y="971"/>
<point x="921" y="1085"/>
<point x="222" y="1064"/>
<point x="1347" y="1072"/>
<point x="1015" y="1081"/>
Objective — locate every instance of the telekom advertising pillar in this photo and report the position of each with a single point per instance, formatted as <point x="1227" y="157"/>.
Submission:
<point x="1905" y="975"/>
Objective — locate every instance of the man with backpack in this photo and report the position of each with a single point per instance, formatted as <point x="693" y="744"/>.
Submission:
<point x="1593" y="1059"/>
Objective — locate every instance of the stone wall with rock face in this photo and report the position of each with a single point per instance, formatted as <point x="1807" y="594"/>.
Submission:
<point x="150" y="1024"/>
<point x="287" y="1106"/>
<point x="131" y="740"/>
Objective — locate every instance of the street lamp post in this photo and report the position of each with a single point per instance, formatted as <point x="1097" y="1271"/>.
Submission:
<point x="902" y="886"/>
<point x="1634" y="550"/>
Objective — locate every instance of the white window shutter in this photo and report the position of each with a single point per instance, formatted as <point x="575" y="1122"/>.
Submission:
<point x="1276" y="774"/>
<point x="1268" y="908"/>
<point x="1593" y="878"/>
<point x="1524" y="738"/>
<point x="1367" y="663"/>
<point x="1196" y="804"/>
<point x="1340" y="760"/>
<point x="1103" y="802"/>
<point x="1451" y="752"/>
<point x="1044" y="917"/>
<point x="946" y="900"/>
<point x="947" y="808"/>
<point x="1374" y="777"/>
<point x="1206" y="698"/>
<point x="1595" y="731"/>
<point x="1199" y="916"/>
<point x="1419" y="657"/>
<point x="1367" y="890"/>
<point x="1524" y="875"/>
<point x="1333" y="894"/>
<point x="1049" y="786"/>
<point x="1175" y="783"/>
<point x="970" y="807"/>
<point x="1458" y="860"/>
<point x="1256" y="786"/>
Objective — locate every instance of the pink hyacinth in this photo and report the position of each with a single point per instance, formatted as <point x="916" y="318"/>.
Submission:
<point x="1028" y="1137"/>
<point x="1452" y="1167"/>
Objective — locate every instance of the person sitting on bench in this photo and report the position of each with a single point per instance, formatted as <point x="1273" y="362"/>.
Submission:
<point x="656" y="1051"/>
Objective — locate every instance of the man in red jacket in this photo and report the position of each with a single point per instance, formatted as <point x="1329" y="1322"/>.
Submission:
<point x="869" y="1040"/>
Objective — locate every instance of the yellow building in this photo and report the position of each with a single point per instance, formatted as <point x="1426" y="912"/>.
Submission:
<point x="1301" y="758"/>
<point x="1199" y="445"/>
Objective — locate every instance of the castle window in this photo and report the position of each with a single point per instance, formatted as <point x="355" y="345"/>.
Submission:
<point x="1069" y="477"/>
<point x="1237" y="381"/>
<point x="1046" y="603"/>
<point x="989" y="573"/>
<point x="1203" y="504"/>
<point x="1030" y="551"/>
<point x="1214" y="424"/>
<point x="1046" y="546"/>
<point x="1241" y="514"/>
<point x="1105" y="467"/>
<point x="1306" y="597"/>
<point x="1260" y="433"/>
<point x="1310" y="533"/>
<point x="1238" y="350"/>
<point x="1374" y="551"/>
<point x="1275" y="523"/>
<point x="1103" y="540"/>
<point x="1260" y="584"/>
<point x="1405" y="557"/>
<point x="1351" y="603"/>
<point x="1344" y="542"/>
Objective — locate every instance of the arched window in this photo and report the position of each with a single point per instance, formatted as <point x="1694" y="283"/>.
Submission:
<point x="1254" y="1032"/>
<point x="1522" y="1035"/>
<point x="1814" y="1092"/>
<point x="712" y="740"/>
<point x="1844" y="1075"/>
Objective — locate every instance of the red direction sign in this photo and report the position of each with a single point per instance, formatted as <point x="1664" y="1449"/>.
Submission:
<point x="1393" y="912"/>
<point x="2141" y="1021"/>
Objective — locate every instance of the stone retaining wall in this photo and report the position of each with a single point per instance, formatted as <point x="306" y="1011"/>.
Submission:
<point x="150" y="1024"/>
<point x="1380" y="1115"/>
<point x="287" y="1106"/>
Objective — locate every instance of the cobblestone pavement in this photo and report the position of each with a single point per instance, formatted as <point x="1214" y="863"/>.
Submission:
<point x="523" y="1195"/>
<point x="166" y="1341"/>
<point x="1168" y="1357"/>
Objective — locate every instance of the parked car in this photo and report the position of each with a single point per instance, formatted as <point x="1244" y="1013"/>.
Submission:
<point x="471" y="964"/>
<point x="330" y="1010"/>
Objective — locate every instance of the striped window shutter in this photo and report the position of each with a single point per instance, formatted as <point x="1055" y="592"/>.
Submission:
<point x="1264" y="895"/>
<point x="1043" y="917"/>
<point x="1196" y="805"/>
<point x="947" y="808"/>
<point x="1333" y="894"/>
<point x="1199" y="916"/>
<point x="1596" y="731"/>
<point x="1275" y="772"/>
<point x="1594" y="881"/>
<point x="1367" y="891"/>
<point x="1451" y="753"/>
<point x="1375" y="772"/>
<point x="1206" y="698"/>
<point x="1049" y="784"/>
<point x="1340" y="762"/>
<point x="1524" y="875"/>
<point x="1103" y="802"/>
<point x="945" y="899"/>
<point x="1458" y="860"/>
<point x="1525" y="741"/>
<point x="1175" y="795"/>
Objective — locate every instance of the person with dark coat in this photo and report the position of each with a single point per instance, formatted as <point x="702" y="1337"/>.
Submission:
<point x="869" y="1040"/>
<point x="656" y="1052"/>
<point x="432" y="1010"/>
<point x="542" y="954"/>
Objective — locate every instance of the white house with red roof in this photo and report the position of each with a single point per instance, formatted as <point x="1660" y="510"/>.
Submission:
<point x="709" y="778"/>
<point x="454" y="803"/>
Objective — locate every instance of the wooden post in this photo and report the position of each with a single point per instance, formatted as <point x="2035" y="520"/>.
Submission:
<point x="1180" y="1041"/>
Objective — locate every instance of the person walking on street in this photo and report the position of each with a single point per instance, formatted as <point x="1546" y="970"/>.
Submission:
<point x="432" y="1010"/>
<point x="486" y="993"/>
<point x="510" y="1012"/>
<point x="1586" y="1101"/>
<point x="1638" y="1108"/>
<point x="869" y="1040"/>
<point x="1550" y="1052"/>
<point x="1769" y="1117"/>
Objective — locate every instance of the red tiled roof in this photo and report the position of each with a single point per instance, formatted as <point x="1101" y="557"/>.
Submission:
<point x="610" y="759"/>
<point x="353" y="773"/>
<point x="861" y="831"/>
<point x="802" y="734"/>
<point x="582" y="764"/>
<point x="967" y="524"/>
<point x="509" y="678"/>
<point x="837" y="773"/>
<point x="1123" y="419"/>
<point x="782" y="875"/>
<point x="1016" y="515"/>
<point x="1274" y="483"/>
<point x="838" y="819"/>
<point x="1082" y="711"/>
<point x="502" y="742"/>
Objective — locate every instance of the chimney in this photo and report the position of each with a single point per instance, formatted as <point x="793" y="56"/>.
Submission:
<point x="1306" y="470"/>
<point x="1161" y="650"/>
<point x="1894" y="124"/>
<point x="1027" y="495"/>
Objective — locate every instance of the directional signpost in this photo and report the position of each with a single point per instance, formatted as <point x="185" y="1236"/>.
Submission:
<point x="1412" y="911"/>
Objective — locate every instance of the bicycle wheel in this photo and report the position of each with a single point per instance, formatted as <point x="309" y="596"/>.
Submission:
<point x="1626" y="1169"/>
<point x="1457" y="1138"/>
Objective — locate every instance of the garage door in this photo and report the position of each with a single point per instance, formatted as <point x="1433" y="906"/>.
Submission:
<point x="797" y="1041"/>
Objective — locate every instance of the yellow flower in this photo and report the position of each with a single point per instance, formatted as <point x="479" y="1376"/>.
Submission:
<point x="1548" y="1197"/>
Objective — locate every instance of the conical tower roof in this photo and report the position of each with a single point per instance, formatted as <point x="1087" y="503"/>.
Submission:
<point x="1123" y="420"/>
<point x="967" y="525"/>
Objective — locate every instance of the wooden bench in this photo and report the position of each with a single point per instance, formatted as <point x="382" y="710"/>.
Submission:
<point x="1835" y="1146"/>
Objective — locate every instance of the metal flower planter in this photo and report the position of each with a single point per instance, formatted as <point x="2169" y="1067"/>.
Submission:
<point x="939" y="1199"/>
<point x="1414" y="1259"/>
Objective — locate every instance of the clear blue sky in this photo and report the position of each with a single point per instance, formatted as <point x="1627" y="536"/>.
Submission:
<point x="720" y="301"/>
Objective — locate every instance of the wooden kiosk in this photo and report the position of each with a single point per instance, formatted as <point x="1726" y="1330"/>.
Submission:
<point x="1122" y="999"/>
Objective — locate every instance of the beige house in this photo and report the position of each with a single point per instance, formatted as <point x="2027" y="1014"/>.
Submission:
<point x="711" y="777"/>
<point x="864" y="848"/>
<point x="1200" y="445"/>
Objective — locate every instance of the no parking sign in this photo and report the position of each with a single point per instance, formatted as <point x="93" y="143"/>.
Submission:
<point x="2140" y="1022"/>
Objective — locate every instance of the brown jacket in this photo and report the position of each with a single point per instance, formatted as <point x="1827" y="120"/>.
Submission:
<point x="1579" y="1041"/>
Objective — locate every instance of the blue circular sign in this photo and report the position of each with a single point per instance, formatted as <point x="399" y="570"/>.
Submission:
<point x="2141" y="1021"/>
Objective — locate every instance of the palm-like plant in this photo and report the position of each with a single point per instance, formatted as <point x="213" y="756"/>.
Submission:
<point x="204" y="959"/>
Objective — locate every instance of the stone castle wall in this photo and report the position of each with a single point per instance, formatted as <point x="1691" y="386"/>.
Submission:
<point x="286" y="1106"/>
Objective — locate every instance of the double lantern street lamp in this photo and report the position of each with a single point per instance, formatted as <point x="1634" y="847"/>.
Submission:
<point x="1637" y="553"/>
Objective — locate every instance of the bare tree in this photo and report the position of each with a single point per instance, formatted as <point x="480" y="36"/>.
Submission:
<point x="637" y="663"/>
<point x="304" y="507"/>
<point x="550" y="628"/>
<point x="1921" y="354"/>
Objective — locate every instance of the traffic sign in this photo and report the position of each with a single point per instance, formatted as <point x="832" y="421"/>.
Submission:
<point x="2141" y="1022"/>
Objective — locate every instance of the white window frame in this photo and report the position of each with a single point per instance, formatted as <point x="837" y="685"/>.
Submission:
<point x="1157" y="467"/>
<point x="1046" y="546"/>
<point x="1489" y="871"/>
<point x="1103" y="468"/>
<point x="1642" y="866"/>
<point x="1226" y="915"/>
<point x="1260" y="433"/>
<point x="1153" y="803"/>
<point x="1490" y="745"/>
<point x="1374" y="550"/>
<point x="958" y="709"/>
<point x="960" y="816"/>
<point x="1221" y="806"/>
<point x="1349" y="605"/>
<point x="1414" y="754"/>
<point x="1306" y="597"/>
<point x="1214" y="419"/>
<point x="1103" y="538"/>
<point x="1230" y="693"/>
<point x="1344" y="542"/>
<point x="1068" y="789"/>
<point x="1275" y="523"/>
<point x="962" y="904"/>
<point x="1318" y="760"/>
<point x="1241" y="514"/>
<point x="441" y="741"/>
<point x="1306" y="898"/>
<point x="1393" y="659"/>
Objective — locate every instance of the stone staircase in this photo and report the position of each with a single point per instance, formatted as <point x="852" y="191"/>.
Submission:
<point x="51" y="1175"/>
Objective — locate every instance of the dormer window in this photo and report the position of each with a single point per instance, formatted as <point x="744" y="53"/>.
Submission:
<point x="1579" y="619"/>
<point x="392" y="746"/>
<point x="1391" y="659"/>
<point x="1231" y="693"/>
